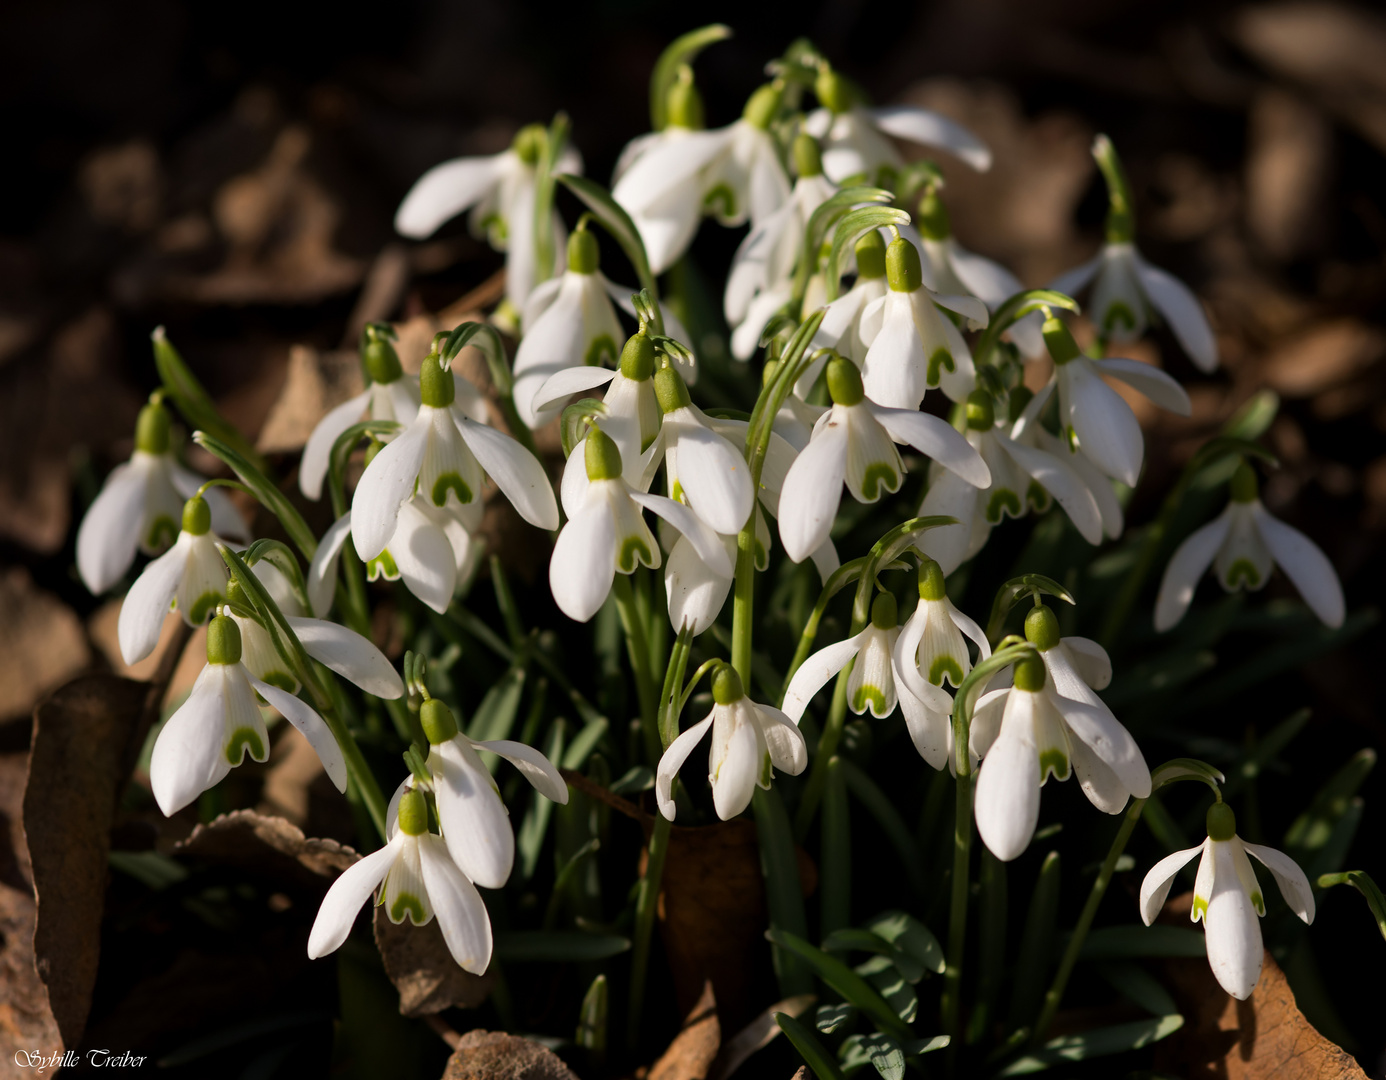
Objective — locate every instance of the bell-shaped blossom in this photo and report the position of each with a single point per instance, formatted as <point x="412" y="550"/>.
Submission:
<point x="855" y="442"/>
<point x="841" y="328"/>
<point x="733" y="173"/>
<point x="1228" y="898"/>
<point x="141" y="504"/>
<point x="417" y="880"/>
<point x="695" y="591"/>
<point x="190" y="575"/>
<point x="1243" y="544"/>
<point x="913" y="347"/>
<point x="1029" y="432"/>
<point x="605" y="531"/>
<point x="220" y="723"/>
<point x="442" y="455"/>
<point x="749" y="742"/>
<point x="1022" y="478"/>
<point x="857" y="139"/>
<point x="499" y="190"/>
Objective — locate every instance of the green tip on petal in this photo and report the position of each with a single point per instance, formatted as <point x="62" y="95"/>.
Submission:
<point x="833" y="91"/>
<point x="603" y="456"/>
<point x="685" y="102"/>
<point x="844" y="382"/>
<point x="1244" y="486"/>
<point x="583" y="254"/>
<point x="529" y="142"/>
<point x="197" y="516"/>
<point x="1042" y="628"/>
<point x="726" y="686"/>
<point x="933" y="220"/>
<point x="1030" y="675"/>
<point x="1222" y="823"/>
<point x="638" y="358"/>
<point x="885" y="614"/>
<point x="808" y="159"/>
<point x="413" y="813"/>
<point x="981" y="413"/>
<point x="931" y="581"/>
<point x="903" y="272"/>
<point x="762" y="106"/>
<point x="1059" y="340"/>
<point x="438" y="722"/>
<point x="152" y="429"/>
<point x="436" y="388"/>
<point x="871" y="256"/>
<point x="223" y="641"/>
<point x="379" y="359"/>
<point x="670" y="390"/>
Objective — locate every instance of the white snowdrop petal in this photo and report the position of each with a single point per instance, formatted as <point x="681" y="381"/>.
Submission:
<point x="672" y="760"/>
<point x="304" y="717"/>
<point x="929" y="729"/>
<point x="1103" y="787"/>
<point x="1182" y="310"/>
<point x="1187" y="565"/>
<point x="387" y="482"/>
<point x="110" y="533"/>
<point x="1062" y="482"/>
<point x="705" y="542"/>
<point x="734" y="777"/>
<point x="1305" y="564"/>
<point x="938" y="439"/>
<point x="187" y="757"/>
<point x="969" y="626"/>
<point x="317" y="452"/>
<point x="350" y="655"/>
<point x="1072" y="282"/>
<point x="444" y="192"/>
<point x="203" y="584"/>
<point x="814" y="673"/>
<point x="929" y="128"/>
<point x="348" y="894"/>
<point x="874" y="467"/>
<point x="715" y="477"/>
<point x="871" y="682"/>
<point x="1161" y="388"/>
<point x="950" y="495"/>
<point x="696" y="595"/>
<point x="563" y="384"/>
<point x="784" y="740"/>
<point x="473" y="818"/>
<point x="1008" y="794"/>
<point x="1108" y="433"/>
<point x="583" y="565"/>
<point x="812" y="490"/>
<point x="1232" y="928"/>
<point x="1293" y="882"/>
<point x="145" y="605"/>
<point x="1089" y="718"/>
<point x="516" y="472"/>
<point x="1089" y="660"/>
<point x="321" y="580"/>
<point x="424" y="557"/>
<point x="533" y="766"/>
<point x="462" y="915"/>
<point x="1156" y="885"/>
<point x="895" y="370"/>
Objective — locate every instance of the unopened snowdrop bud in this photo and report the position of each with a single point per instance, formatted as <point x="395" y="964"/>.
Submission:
<point x="670" y="390"/>
<point x="197" y="516"/>
<point x="808" y="160"/>
<point x="762" y="106"/>
<point x="152" y="429"/>
<point x="726" y="686"/>
<point x="413" y="813"/>
<point x="1042" y="628"/>
<point x="603" y="457"/>
<point x="584" y="257"/>
<point x="932" y="220"/>
<point x="844" y="382"/>
<point x="981" y="412"/>
<point x="439" y="725"/>
<point x="1059" y="340"/>
<point x="903" y="271"/>
<point x="871" y="256"/>
<point x="833" y="91"/>
<point x="379" y="359"/>
<point x="529" y="143"/>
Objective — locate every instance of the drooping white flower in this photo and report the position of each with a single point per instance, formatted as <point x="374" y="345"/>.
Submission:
<point x="1022" y="478"/>
<point x="220" y="723"/>
<point x="605" y="531"/>
<point x="190" y="575"/>
<point x="913" y="347"/>
<point x="749" y="742"/>
<point x="855" y="442"/>
<point x="442" y="455"/>
<point x="1243" y="544"/>
<point x="855" y="137"/>
<point x="733" y="173"/>
<point x="141" y="504"/>
<point x="499" y="191"/>
<point x="841" y="328"/>
<point x="1228" y="898"/>
<point x="420" y="880"/>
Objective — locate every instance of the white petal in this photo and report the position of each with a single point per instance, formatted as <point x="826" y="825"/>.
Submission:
<point x="1089" y="660"/>
<point x="895" y="370"/>
<point x="348" y="894"/>
<point x="1157" y="882"/>
<point x="814" y="673"/>
<point x="1072" y="282"/>
<point x="706" y="542"/>
<point x="987" y="716"/>
<point x="1181" y="309"/>
<point x="304" y="717"/>
<point x="906" y="669"/>
<point x="322" y="571"/>
<point x="659" y="175"/>
<point x="312" y="469"/>
<point x="1108" y="432"/>
<point x="541" y="298"/>
<point x="969" y="307"/>
<point x="145" y="605"/>
<point x="696" y="595"/>
<point x="1294" y="884"/>
<point x="969" y="626"/>
<point x="187" y="757"/>
<point x="930" y="730"/>
<point x="1232" y="929"/>
<point x="110" y="532"/>
<point x="424" y="557"/>
<point x="1089" y="718"/>
<point x="788" y="751"/>
<point x="871" y="682"/>
<point x="203" y="584"/>
<point x="445" y="191"/>
<point x="1305" y="564"/>
<point x="533" y="766"/>
<point x="1008" y="792"/>
<point x="515" y="470"/>
<point x="950" y="495"/>
<point x="734" y="777"/>
<point x="350" y="655"/>
<point x="746" y="336"/>
<point x="985" y="279"/>
<point x="871" y="454"/>
<point x="938" y="439"/>
<point x="932" y="129"/>
<point x="387" y="482"/>
<point x="669" y="228"/>
<point x="461" y="913"/>
<point x="1163" y="389"/>
<point x="1096" y="481"/>
<point x="1061" y="481"/>
<point x="562" y="385"/>
<point x="812" y="491"/>
<point x="473" y="818"/>
<point x="583" y="565"/>
<point x="715" y="477"/>
<point x="1187" y="565"/>
<point x="672" y="761"/>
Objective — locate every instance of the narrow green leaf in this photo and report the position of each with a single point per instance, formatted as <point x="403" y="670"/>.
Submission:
<point x="613" y="217"/>
<point x="854" y="940"/>
<point x="1254" y="418"/>
<point x="1313" y="828"/>
<point x="992" y="951"/>
<point x="914" y="1047"/>
<point x="1329" y="858"/>
<point x="684" y="49"/>
<point x="1362" y="882"/>
<point x="586" y="740"/>
<point x="1266" y="750"/>
<point x="836" y="878"/>
<point x="829" y="1018"/>
<point x="891" y="984"/>
<point x="880" y="807"/>
<point x="529" y="841"/>
<point x="784" y="895"/>
<point x="1184" y="769"/>
<point x="495" y="716"/>
<point x="878" y="1050"/>
<point x="1125" y="942"/>
<point x="636" y="779"/>
<point x="556" y="946"/>
<point x="270" y="497"/>
<point x="554" y="145"/>
<point x="591" y="1027"/>
<point x="845" y="981"/>
<point x="194" y="402"/>
<point x="1139" y="986"/>
<point x="814" y="1053"/>
<point x="851" y="229"/>
<point x="1109" y="1040"/>
<point x="1015" y="308"/>
<point x="911" y="937"/>
<point x="1037" y="946"/>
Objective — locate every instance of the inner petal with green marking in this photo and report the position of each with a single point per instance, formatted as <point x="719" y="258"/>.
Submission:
<point x="244" y="739"/>
<point x="1003" y="500"/>
<point x="163" y="531"/>
<point x="407" y="904"/>
<point x="878" y="476"/>
<point x="721" y="201"/>
<point x="383" y="565"/>
<point x="450" y="481"/>
<point x="600" y="351"/>
<point x="1118" y="316"/>
<point x="945" y="665"/>
<point x="200" y="610"/>
<point x="1242" y="573"/>
<point x="939" y="362"/>
<point x="1053" y="761"/>
<point x="869" y="695"/>
<point x="1038" y="497"/>
<point x="634" y="551"/>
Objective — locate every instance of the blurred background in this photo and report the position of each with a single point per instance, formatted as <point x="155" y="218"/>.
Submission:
<point x="231" y="172"/>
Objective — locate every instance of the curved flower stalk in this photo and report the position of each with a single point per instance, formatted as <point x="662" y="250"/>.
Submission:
<point x="220" y="723"/>
<point x="856" y="139"/>
<point x="1022" y="478"/>
<point x="1227" y="898"/>
<point x="855" y="442"/>
<point x="913" y="348"/>
<point x="1096" y="421"/>
<point x="190" y="576"/>
<point x="1127" y="291"/>
<point x="418" y="880"/>
<point x="141" y="503"/>
<point x="1243" y="544"/>
<point x="733" y="173"/>
<point x="749" y="742"/>
<point x="605" y="531"/>
<point x="499" y="190"/>
<point x="761" y="279"/>
<point x="442" y="455"/>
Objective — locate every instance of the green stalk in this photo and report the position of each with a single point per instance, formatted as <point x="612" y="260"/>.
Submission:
<point x="638" y="651"/>
<point x="645" y="904"/>
<point x="743" y="602"/>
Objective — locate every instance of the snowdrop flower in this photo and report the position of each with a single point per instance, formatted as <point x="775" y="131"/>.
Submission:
<point x="683" y="113"/>
<point x="733" y="173"/>
<point x="761" y="280"/>
<point x="605" y="531"/>
<point x="1096" y="421"/>
<point x="190" y="576"/>
<point x="855" y="442"/>
<point x="855" y="138"/>
<point x="1029" y="432"/>
<point x="419" y="881"/>
<point x="749" y="742"/>
<point x="695" y="591"/>
<point x="220" y="723"/>
<point x="1227" y="898"/>
<point x="141" y="503"/>
<point x="841" y="328"/>
<point x="442" y="454"/>
<point x="499" y="191"/>
<point x="912" y="347"/>
<point x="1127" y="290"/>
<point x="1242" y="544"/>
<point x="1022" y="477"/>
<point x="876" y="682"/>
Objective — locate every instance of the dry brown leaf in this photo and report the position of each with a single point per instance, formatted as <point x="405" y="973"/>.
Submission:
<point x="1325" y="356"/>
<point x="314" y="383"/>
<point x="494" y="1055"/>
<point x="268" y="846"/>
<point x="694" y="1049"/>
<point x="103" y="626"/>
<point x="757" y="1035"/>
<point x="41" y="643"/>
<point x="417" y="961"/>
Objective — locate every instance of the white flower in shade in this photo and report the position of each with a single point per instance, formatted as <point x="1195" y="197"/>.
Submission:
<point x="856" y="139"/>
<point x="733" y="173"/>
<point x="420" y="881"/>
<point x="1243" y="544"/>
<point x="761" y="280"/>
<point x="855" y="442"/>
<point x="912" y="346"/>
<point x="1022" y="478"/>
<point x="1029" y="432"/>
<point x="1228" y="898"/>
<point x="190" y="575"/>
<point x="1095" y="419"/>
<point x="605" y="531"/>
<point x="749" y="742"/>
<point x="140" y="505"/>
<point x="442" y="455"/>
<point x="220" y="723"/>
<point x="875" y="682"/>
<point x="841" y="328"/>
<point x="499" y="191"/>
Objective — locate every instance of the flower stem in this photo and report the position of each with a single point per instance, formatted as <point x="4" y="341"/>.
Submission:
<point x="743" y="603"/>
<point x="645" y="904"/>
<point x="637" y="648"/>
<point x="1080" y="932"/>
